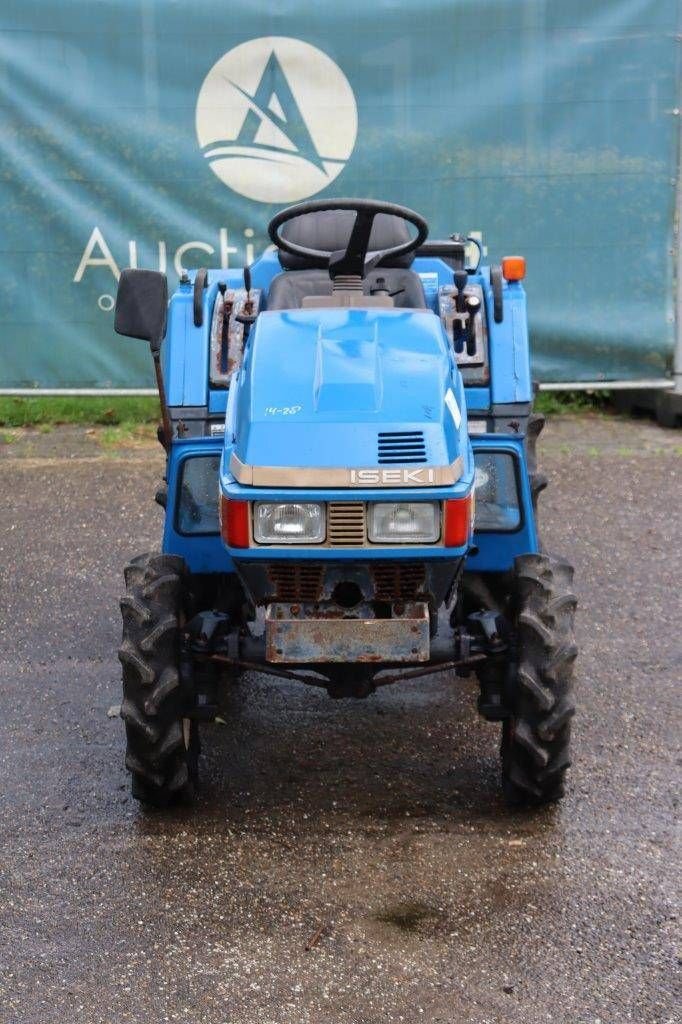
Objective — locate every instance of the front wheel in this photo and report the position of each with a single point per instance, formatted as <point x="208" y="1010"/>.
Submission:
<point x="162" y="743"/>
<point x="536" y="738"/>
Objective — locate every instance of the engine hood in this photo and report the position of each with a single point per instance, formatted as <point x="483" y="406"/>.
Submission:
<point x="328" y="388"/>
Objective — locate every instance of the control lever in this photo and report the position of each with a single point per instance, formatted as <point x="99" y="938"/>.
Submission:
<point x="458" y="332"/>
<point x="461" y="280"/>
<point x="473" y="307"/>
<point x="460" y="318"/>
<point x="247" y="284"/>
<point x="248" y="317"/>
<point x="224" y="331"/>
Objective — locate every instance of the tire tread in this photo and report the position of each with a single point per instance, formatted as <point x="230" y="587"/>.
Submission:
<point x="163" y="769"/>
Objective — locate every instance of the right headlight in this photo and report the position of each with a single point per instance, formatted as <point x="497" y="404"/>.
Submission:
<point x="403" y="522"/>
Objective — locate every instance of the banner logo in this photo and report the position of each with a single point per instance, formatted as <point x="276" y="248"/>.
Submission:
<point x="276" y="119"/>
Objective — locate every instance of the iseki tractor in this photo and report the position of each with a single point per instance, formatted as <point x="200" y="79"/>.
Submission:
<point x="350" y="492"/>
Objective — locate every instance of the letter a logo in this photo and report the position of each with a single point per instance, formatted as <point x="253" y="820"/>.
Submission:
<point x="276" y="119"/>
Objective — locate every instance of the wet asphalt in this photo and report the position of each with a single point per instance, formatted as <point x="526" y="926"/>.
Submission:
<point x="346" y="861"/>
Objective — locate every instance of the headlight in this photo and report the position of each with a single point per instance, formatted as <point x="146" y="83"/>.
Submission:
<point x="404" y="522"/>
<point x="288" y="523"/>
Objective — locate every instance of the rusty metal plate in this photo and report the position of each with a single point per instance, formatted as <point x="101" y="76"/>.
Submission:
<point x="293" y="636"/>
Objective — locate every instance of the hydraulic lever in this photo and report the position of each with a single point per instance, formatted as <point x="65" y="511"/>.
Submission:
<point x="247" y="317"/>
<point x="461" y="280"/>
<point x="225" y="329"/>
<point x="473" y="308"/>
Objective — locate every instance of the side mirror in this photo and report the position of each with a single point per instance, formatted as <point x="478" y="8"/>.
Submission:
<point x="142" y="306"/>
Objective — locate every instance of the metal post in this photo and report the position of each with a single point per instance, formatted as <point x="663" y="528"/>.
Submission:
<point x="677" y="356"/>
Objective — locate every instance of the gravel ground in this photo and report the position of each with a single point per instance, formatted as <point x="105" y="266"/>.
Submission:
<point x="374" y="828"/>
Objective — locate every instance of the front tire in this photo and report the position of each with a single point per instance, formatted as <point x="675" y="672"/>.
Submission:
<point x="536" y="738"/>
<point x="162" y="742"/>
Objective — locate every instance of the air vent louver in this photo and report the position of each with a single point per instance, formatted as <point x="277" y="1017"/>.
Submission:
<point x="296" y="582"/>
<point x="346" y="523"/>
<point x="398" y="580"/>
<point x="401" y="447"/>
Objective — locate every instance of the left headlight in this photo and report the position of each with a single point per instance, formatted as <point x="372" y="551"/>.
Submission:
<point x="404" y="522"/>
<point x="288" y="523"/>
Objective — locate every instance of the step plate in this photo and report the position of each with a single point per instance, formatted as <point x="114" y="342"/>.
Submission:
<point x="295" y="637"/>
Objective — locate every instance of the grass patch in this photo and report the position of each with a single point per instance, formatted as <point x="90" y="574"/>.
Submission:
<point x="48" y="411"/>
<point x="45" y="412"/>
<point x="554" y="403"/>
<point x="126" y="435"/>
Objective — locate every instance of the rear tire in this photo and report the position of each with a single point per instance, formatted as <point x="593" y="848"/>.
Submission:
<point x="536" y="738"/>
<point x="538" y="481"/>
<point x="162" y="743"/>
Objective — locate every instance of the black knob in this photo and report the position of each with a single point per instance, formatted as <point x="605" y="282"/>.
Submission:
<point x="461" y="281"/>
<point x="247" y="279"/>
<point x="473" y="304"/>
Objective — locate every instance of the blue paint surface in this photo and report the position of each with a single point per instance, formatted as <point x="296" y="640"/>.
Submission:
<point x="318" y="385"/>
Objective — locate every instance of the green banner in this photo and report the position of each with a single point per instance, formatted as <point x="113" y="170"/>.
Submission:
<point x="156" y="134"/>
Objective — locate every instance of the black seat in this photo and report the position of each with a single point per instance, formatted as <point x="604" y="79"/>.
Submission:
<point x="329" y="231"/>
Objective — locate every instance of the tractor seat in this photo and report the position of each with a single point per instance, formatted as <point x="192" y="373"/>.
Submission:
<point x="329" y="231"/>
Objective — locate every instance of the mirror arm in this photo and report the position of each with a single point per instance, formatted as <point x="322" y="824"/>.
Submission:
<point x="166" y="425"/>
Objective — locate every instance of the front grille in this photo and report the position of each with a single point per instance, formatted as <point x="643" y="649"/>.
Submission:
<point x="296" y="582"/>
<point x="394" y="581"/>
<point x="346" y="524"/>
<point x="401" y="446"/>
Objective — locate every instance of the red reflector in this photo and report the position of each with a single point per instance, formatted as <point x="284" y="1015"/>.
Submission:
<point x="457" y="522"/>
<point x="234" y="522"/>
<point x="514" y="268"/>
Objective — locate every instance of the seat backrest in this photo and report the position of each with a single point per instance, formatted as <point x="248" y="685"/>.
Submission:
<point x="289" y="290"/>
<point x="329" y="231"/>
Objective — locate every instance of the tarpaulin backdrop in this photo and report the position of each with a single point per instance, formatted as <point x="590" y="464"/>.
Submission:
<point x="550" y="127"/>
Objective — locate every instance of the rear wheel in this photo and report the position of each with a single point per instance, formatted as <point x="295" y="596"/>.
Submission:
<point x="538" y="481"/>
<point x="536" y="738"/>
<point x="162" y="742"/>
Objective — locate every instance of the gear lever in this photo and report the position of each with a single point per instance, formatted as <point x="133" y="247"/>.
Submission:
<point x="461" y="280"/>
<point x="473" y="306"/>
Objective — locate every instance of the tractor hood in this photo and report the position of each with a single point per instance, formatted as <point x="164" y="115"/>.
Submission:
<point x="347" y="388"/>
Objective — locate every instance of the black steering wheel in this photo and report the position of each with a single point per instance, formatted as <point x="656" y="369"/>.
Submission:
<point x="353" y="259"/>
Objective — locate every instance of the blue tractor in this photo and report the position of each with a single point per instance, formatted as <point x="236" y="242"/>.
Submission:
<point x="350" y="493"/>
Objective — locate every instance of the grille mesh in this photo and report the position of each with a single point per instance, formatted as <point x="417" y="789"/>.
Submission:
<point x="392" y="581"/>
<point x="401" y="446"/>
<point x="346" y="523"/>
<point x="297" y="582"/>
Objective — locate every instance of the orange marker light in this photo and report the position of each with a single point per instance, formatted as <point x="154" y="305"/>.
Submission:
<point x="458" y="514"/>
<point x="234" y="522"/>
<point x="514" y="268"/>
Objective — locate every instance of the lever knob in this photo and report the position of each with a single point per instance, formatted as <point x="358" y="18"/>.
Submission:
<point x="461" y="279"/>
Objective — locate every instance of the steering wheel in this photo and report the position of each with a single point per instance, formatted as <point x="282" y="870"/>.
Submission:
<point x="353" y="259"/>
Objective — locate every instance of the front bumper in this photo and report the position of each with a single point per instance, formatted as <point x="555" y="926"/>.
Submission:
<point x="299" y="634"/>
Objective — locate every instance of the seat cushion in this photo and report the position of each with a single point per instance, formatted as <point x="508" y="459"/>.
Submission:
<point x="329" y="231"/>
<point x="287" y="290"/>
